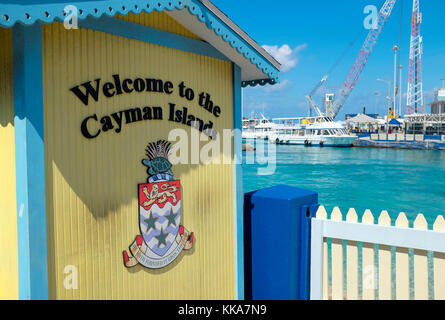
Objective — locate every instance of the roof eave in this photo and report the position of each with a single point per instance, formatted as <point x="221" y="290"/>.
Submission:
<point x="258" y="67"/>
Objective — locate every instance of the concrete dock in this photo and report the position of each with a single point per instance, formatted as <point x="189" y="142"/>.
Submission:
<point x="401" y="141"/>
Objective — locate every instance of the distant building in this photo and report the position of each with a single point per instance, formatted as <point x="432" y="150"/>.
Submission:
<point x="438" y="106"/>
<point x="432" y="123"/>
<point x="352" y="115"/>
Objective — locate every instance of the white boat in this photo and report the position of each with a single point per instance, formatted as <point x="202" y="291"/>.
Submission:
<point x="316" y="131"/>
<point x="258" y="129"/>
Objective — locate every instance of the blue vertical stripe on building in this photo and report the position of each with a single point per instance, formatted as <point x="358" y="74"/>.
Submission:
<point x="30" y="162"/>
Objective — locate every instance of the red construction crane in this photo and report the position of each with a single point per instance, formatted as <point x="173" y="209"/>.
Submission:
<point x="362" y="58"/>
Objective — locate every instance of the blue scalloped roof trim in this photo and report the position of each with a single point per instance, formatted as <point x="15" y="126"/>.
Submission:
<point x="50" y="12"/>
<point x="261" y="82"/>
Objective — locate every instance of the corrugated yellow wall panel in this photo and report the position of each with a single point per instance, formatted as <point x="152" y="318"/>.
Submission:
<point x="161" y="21"/>
<point x="8" y="206"/>
<point x="91" y="185"/>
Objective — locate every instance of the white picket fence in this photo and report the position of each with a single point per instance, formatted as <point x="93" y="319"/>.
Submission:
<point x="351" y="240"/>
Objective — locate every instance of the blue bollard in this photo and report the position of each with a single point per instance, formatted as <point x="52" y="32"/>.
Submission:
<point x="277" y="224"/>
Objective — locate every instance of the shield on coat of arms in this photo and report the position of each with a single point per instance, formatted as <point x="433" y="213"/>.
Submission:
<point x="162" y="237"/>
<point x="160" y="214"/>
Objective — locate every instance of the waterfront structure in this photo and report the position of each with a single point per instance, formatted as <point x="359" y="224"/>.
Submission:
<point x="438" y="106"/>
<point x="352" y="115"/>
<point x="362" y="122"/>
<point x="415" y="131"/>
<point x="429" y="123"/>
<point x="89" y="91"/>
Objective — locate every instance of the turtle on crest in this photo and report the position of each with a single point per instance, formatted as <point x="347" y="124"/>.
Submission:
<point x="157" y="162"/>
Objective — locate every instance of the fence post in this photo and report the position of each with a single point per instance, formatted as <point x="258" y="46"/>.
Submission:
<point x="277" y="229"/>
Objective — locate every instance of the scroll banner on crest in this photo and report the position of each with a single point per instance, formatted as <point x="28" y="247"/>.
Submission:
<point x="162" y="237"/>
<point x="138" y="250"/>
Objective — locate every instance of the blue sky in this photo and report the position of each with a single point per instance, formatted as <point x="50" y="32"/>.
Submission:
<point x="317" y="33"/>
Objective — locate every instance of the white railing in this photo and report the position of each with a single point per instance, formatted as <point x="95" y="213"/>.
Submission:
<point x="386" y="236"/>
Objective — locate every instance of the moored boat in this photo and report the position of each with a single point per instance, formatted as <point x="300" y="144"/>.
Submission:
<point x="258" y="129"/>
<point x="317" y="131"/>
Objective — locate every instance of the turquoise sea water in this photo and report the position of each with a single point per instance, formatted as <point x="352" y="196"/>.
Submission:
<point x="396" y="180"/>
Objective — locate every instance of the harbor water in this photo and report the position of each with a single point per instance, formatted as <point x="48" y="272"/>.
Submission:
<point x="396" y="180"/>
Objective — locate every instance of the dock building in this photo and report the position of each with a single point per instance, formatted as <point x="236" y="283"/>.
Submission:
<point x="429" y="124"/>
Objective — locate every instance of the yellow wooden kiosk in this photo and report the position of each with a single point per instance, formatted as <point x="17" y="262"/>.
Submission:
<point x="89" y="93"/>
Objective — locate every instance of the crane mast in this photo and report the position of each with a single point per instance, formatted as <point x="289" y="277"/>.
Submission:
<point x="362" y="57"/>
<point x="415" y="90"/>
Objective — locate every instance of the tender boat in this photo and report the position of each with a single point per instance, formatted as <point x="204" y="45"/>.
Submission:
<point x="316" y="131"/>
<point x="258" y="129"/>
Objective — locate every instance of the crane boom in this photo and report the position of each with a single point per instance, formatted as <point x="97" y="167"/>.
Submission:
<point x="309" y="96"/>
<point x="319" y="85"/>
<point x="362" y="57"/>
<point x="311" y="101"/>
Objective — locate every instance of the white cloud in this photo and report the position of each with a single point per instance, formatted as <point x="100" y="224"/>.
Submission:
<point x="277" y="87"/>
<point x="285" y="55"/>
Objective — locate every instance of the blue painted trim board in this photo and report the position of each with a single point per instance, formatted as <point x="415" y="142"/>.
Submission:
<point x="238" y="189"/>
<point x="30" y="162"/>
<point x="48" y="12"/>
<point x="139" y="32"/>
<point x="304" y="278"/>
